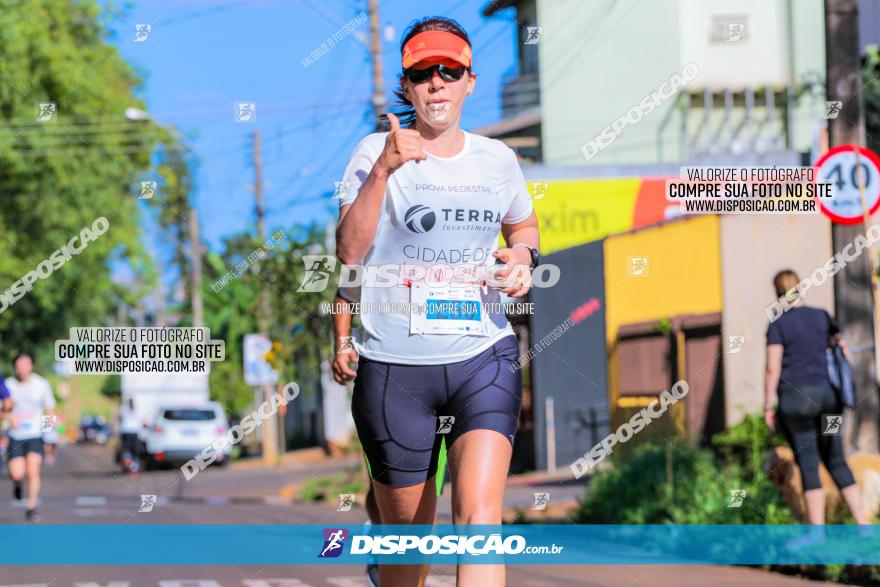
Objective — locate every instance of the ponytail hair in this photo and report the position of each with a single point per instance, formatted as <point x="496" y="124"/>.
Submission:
<point x="785" y="281"/>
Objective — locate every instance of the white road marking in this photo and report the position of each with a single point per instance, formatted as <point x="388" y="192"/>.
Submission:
<point x="276" y="500"/>
<point x="89" y="513"/>
<point x="274" y="583"/>
<point x="189" y="583"/>
<point x="347" y="581"/>
<point x="216" y="500"/>
<point x="91" y="500"/>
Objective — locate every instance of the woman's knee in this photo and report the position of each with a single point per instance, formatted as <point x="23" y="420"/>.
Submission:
<point x="398" y="513"/>
<point x="16" y="468"/>
<point x="477" y="514"/>
<point x="33" y="466"/>
<point x="405" y="505"/>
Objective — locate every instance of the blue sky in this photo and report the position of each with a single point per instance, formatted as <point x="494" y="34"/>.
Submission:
<point x="201" y="57"/>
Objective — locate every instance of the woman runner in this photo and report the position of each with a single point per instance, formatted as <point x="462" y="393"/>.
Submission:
<point x="432" y="199"/>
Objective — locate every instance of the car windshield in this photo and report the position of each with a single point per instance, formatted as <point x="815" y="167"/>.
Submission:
<point x="192" y="415"/>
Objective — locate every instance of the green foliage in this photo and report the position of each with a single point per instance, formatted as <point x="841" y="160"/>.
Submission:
<point x="228" y="387"/>
<point x="663" y="326"/>
<point x="678" y="484"/>
<point x="229" y="314"/>
<point x="329" y="487"/>
<point x="871" y="92"/>
<point x="231" y="309"/>
<point x="751" y="433"/>
<point x="520" y="517"/>
<point x="58" y="177"/>
<point x="747" y="443"/>
<point x="112" y="386"/>
<point x="173" y="209"/>
<point x="87" y="396"/>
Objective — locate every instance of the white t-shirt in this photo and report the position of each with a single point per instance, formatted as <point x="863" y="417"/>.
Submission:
<point x="441" y="211"/>
<point x="30" y="400"/>
<point x="128" y="421"/>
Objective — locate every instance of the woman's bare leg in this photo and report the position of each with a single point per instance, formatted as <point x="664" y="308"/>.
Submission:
<point x="815" y="500"/>
<point x="415" y="504"/>
<point x="853" y="497"/>
<point x="479" y="461"/>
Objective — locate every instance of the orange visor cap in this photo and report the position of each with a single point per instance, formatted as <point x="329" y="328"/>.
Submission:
<point x="436" y="44"/>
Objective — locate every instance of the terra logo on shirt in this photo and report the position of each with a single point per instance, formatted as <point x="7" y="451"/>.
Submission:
<point x="420" y="219"/>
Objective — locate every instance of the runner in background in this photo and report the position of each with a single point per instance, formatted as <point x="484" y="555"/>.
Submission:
<point x="32" y="402"/>
<point x="129" y="427"/>
<point x="50" y="441"/>
<point x="5" y="408"/>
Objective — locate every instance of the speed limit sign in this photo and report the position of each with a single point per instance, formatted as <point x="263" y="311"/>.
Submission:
<point x="847" y="167"/>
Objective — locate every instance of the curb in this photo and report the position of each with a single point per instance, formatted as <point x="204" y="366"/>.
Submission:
<point x="296" y="459"/>
<point x="541" y="478"/>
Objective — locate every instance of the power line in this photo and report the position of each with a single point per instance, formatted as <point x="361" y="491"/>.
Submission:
<point x="81" y="152"/>
<point x="354" y="81"/>
<point x="62" y="136"/>
<point x="97" y="121"/>
<point x="201" y="13"/>
<point x="344" y="145"/>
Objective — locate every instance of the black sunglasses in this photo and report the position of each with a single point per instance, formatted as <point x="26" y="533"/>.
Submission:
<point x="449" y="74"/>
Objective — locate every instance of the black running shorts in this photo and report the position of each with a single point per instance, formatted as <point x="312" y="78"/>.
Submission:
<point x="402" y="412"/>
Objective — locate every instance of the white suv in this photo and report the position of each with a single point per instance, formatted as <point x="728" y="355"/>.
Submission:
<point x="179" y="433"/>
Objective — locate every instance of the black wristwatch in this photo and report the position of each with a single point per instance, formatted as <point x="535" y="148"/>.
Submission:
<point x="536" y="258"/>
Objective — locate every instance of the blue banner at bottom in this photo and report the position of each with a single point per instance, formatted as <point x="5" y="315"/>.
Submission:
<point x="219" y="544"/>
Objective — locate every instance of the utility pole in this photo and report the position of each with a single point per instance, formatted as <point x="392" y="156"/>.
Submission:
<point x="376" y="59"/>
<point x="853" y="286"/>
<point x="161" y="305"/>
<point x="261" y="228"/>
<point x="195" y="247"/>
<point x="270" y="426"/>
<point x="258" y="186"/>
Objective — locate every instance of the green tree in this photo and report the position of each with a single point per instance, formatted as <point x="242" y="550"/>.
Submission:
<point x="231" y="309"/>
<point x="173" y="205"/>
<point x="229" y="313"/>
<point x="59" y="176"/>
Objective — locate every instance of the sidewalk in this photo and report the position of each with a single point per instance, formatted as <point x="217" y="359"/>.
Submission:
<point x="296" y="459"/>
<point x="562" y="494"/>
<point x="564" y="491"/>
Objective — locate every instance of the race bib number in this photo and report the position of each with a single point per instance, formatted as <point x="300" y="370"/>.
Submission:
<point x="446" y="310"/>
<point x="27" y="423"/>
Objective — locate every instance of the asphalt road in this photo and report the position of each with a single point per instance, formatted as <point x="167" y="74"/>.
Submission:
<point x="84" y="487"/>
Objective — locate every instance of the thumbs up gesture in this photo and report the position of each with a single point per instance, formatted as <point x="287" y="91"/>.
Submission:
<point x="401" y="145"/>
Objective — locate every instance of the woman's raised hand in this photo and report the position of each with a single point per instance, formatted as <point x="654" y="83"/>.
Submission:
<point x="401" y="145"/>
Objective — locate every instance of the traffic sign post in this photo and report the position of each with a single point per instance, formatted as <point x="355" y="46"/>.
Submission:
<point x="259" y="372"/>
<point x="854" y="173"/>
<point x="853" y="291"/>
